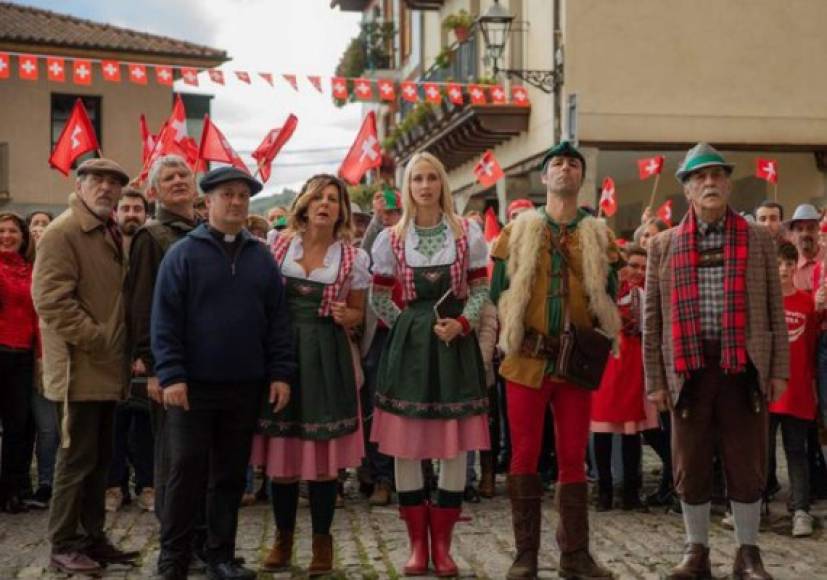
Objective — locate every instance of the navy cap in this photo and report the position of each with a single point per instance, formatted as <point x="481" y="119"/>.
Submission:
<point x="224" y="174"/>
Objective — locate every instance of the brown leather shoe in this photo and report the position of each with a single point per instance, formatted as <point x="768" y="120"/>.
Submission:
<point x="748" y="564"/>
<point x="487" y="486"/>
<point x="280" y="554"/>
<point x="75" y="563"/>
<point x="322" y="562"/>
<point x="381" y="494"/>
<point x="106" y="553"/>
<point x="526" y="492"/>
<point x="694" y="566"/>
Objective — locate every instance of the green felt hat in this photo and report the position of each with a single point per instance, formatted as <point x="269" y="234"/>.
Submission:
<point x="700" y="156"/>
<point x="563" y="149"/>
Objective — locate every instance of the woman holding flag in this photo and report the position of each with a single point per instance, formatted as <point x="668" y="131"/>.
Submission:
<point x="319" y="432"/>
<point x="431" y="399"/>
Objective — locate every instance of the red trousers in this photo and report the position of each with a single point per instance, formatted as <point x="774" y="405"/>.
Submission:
<point x="572" y="415"/>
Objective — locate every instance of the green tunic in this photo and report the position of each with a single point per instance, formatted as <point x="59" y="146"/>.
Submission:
<point x="323" y="403"/>
<point x="419" y="375"/>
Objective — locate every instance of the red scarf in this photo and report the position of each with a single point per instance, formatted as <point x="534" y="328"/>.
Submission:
<point x="686" y="307"/>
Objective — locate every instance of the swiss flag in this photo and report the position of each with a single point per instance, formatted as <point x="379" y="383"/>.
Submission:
<point x="27" y="67"/>
<point x="137" y="73"/>
<point x="163" y="75"/>
<point x="387" y="92"/>
<point x="338" y="86"/>
<point x="409" y="92"/>
<point x="432" y="94"/>
<point x="82" y="72"/>
<point x="215" y="147"/>
<point x="364" y="154"/>
<point x="173" y="139"/>
<point x="477" y="94"/>
<point x="78" y="137"/>
<point x="272" y="144"/>
<point x="497" y="95"/>
<point x="111" y="70"/>
<point x="147" y="139"/>
<point x="292" y="80"/>
<point x="767" y="169"/>
<point x="519" y="96"/>
<point x="363" y="89"/>
<point x="488" y="170"/>
<point x="665" y="212"/>
<point x="4" y="65"/>
<point x="216" y="76"/>
<point x="178" y="119"/>
<point x="268" y="78"/>
<point x="190" y="76"/>
<point x="650" y="166"/>
<point x="243" y="76"/>
<point x="55" y="69"/>
<point x="608" y="202"/>
<point x="316" y="81"/>
<point x="455" y="93"/>
<point x="492" y="226"/>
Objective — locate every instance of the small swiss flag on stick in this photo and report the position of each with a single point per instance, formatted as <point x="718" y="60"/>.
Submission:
<point x="650" y="166"/>
<point x="767" y="169"/>
<point x="608" y="202"/>
<point x="488" y="170"/>
<point x="664" y="212"/>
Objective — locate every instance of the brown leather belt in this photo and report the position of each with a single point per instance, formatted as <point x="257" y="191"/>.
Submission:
<point x="536" y="345"/>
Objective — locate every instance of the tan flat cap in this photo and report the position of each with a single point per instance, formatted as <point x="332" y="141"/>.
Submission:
<point x="103" y="166"/>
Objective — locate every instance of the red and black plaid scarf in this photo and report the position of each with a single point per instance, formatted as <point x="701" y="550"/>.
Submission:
<point x="686" y="308"/>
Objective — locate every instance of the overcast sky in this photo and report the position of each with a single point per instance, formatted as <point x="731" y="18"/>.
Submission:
<point x="278" y="36"/>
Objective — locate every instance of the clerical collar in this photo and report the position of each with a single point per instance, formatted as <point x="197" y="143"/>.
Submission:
<point x="222" y="237"/>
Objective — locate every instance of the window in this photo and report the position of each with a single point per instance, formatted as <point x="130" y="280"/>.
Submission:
<point x="61" y="109"/>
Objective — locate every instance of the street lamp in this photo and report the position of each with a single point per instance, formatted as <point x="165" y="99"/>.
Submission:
<point x="496" y="26"/>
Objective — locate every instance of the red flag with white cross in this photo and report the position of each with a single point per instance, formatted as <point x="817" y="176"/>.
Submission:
<point x="497" y="95"/>
<point x="608" y="202"/>
<point x="519" y="96"/>
<point x="190" y="76"/>
<point x="767" y="169"/>
<point x="272" y="144"/>
<point x="215" y="147"/>
<point x="455" y="93"/>
<point x="338" y="86"/>
<point x="362" y="89"/>
<point x="27" y="67"/>
<point x="147" y="139"/>
<point x="137" y="73"/>
<point x="78" y="137"/>
<point x="111" y="71"/>
<point x="82" y="72"/>
<point x="364" y="154"/>
<point x="488" y="170"/>
<point x="164" y="75"/>
<point x="432" y="94"/>
<point x="409" y="92"/>
<point x="476" y="94"/>
<point x="664" y="212"/>
<point x="4" y="65"/>
<point x="216" y="76"/>
<point x="387" y="92"/>
<point x="55" y="69"/>
<point x="650" y="166"/>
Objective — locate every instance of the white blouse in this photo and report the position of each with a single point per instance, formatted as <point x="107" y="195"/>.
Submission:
<point x="329" y="270"/>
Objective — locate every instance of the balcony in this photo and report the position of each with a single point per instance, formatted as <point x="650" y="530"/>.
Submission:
<point x="457" y="134"/>
<point x="424" y="4"/>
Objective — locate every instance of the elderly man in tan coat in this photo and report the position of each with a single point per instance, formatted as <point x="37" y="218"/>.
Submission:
<point x="78" y="276"/>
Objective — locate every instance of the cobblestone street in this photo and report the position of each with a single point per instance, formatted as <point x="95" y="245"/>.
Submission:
<point x="372" y="543"/>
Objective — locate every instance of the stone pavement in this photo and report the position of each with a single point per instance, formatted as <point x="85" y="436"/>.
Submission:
<point x="372" y="543"/>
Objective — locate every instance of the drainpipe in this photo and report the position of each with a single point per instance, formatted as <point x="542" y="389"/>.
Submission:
<point x="557" y="66"/>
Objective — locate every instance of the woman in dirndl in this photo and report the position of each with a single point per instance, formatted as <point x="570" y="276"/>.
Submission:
<point x="620" y="406"/>
<point x="431" y="401"/>
<point x="319" y="432"/>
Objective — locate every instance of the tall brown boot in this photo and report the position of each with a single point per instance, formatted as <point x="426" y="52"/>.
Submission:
<point x="573" y="534"/>
<point x="486" y="487"/>
<point x="322" y="562"/>
<point x="280" y="553"/>
<point x="526" y="493"/>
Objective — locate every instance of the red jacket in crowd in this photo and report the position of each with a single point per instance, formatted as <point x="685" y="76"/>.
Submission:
<point x="18" y="320"/>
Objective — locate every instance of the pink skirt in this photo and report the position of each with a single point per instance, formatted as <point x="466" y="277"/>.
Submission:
<point x="630" y="427"/>
<point x="308" y="460"/>
<point x="412" y="438"/>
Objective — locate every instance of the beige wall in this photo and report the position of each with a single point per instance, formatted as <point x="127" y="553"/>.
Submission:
<point x="25" y="124"/>
<point x="739" y="71"/>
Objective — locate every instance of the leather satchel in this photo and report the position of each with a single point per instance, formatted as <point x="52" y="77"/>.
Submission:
<point x="583" y="355"/>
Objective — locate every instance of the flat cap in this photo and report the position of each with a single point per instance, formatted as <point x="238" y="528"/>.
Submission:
<point x="563" y="149"/>
<point x="103" y="166"/>
<point x="224" y="174"/>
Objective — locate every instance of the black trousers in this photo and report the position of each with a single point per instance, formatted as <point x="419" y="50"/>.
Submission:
<point x="208" y="449"/>
<point x="16" y="369"/>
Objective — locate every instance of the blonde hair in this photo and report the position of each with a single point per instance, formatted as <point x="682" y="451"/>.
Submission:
<point x="297" y="218"/>
<point x="446" y="200"/>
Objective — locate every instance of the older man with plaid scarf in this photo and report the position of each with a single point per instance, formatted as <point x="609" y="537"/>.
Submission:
<point x="715" y="351"/>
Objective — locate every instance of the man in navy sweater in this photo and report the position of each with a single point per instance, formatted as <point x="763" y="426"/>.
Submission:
<point x="221" y="342"/>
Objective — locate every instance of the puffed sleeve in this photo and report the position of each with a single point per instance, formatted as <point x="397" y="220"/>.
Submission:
<point x="361" y="271"/>
<point x="477" y="248"/>
<point x="384" y="262"/>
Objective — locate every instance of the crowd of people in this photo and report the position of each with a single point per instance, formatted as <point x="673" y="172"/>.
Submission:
<point x="163" y="347"/>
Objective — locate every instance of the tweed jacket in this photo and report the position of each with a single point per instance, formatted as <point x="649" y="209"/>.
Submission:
<point x="766" y="330"/>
